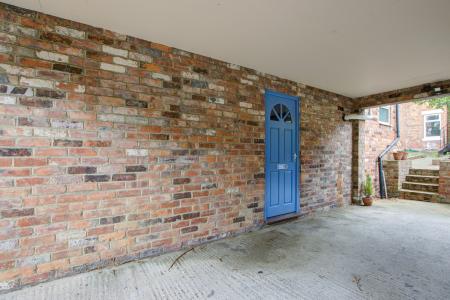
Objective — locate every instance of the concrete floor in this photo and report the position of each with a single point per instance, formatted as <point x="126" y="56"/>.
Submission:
<point x="393" y="250"/>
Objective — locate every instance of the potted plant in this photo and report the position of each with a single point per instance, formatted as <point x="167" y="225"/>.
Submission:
<point x="368" y="191"/>
<point x="404" y="155"/>
<point x="398" y="155"/>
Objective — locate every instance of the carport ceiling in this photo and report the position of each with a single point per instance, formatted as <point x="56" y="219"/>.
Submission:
<point x="352" y="47"/>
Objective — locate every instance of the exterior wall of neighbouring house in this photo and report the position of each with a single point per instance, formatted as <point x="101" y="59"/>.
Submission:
<point x="377" y="137"/>
<point x="113" y="148"/>
<point x="412" y="126"/>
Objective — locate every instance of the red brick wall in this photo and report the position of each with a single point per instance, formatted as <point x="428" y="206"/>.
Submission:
<point x="444" y="180"/>
<point x="113" y="148"/>
<point x="412" y="126"/>
<point x="377" y="137"/>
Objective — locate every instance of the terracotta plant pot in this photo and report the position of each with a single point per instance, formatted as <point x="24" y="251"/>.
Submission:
<point x="404" y="155"/>
<point x="398" y="155"/>
<point x="367" y="201"/>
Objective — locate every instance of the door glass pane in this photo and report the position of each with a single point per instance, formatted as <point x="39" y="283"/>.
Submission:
<point x="288" y="118"/>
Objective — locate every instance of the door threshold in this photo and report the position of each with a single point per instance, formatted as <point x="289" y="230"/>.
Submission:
<point x="283" y="218"/>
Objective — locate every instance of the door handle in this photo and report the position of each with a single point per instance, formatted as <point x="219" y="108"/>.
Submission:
<point x="295" y="156"/>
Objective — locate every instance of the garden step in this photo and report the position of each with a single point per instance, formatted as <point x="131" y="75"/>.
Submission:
<point x="424" y="172"/>
<point x="422" y="179"/>
<point x="419" y="195"/>
<point x="419" y="186"/>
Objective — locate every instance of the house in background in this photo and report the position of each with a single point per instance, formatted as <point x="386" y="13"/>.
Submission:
<point x="422" y="127"/>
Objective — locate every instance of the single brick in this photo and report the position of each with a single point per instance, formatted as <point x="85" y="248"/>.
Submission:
<point x="239" y="219"/>
<point x="208" y="186"/>
<point x="82" y="170"/>
<point x="7" y="100"/>
<point x="172" y="219"/>
<point x="15" y="152"/>
<point x="200" y="70"/>
<point x="136" y="103"/>
<point x="35" y="102"/>
<point x="216" y="100"/>
<point x="191" y="216"/>
<point x="67" y="143"/>
<point x="123" y="177"/>
<point x="112" y="68"/>
<point x="66" y="124"/>
<point x="161" y="76"/>
<point x="189" y="229"/>
<point x="114" y="51"/>
<point x="97" y="178"/>
<point x="70" y="32"/>
<point x="181" y="180"/>
<point x="125" y="62"/>
<point x="184" y="195"/>
<point x="35" y="82"/>
<point x="137" y="152"/>
<point x="67" y="69"/>
<point x="139" y="168"/>
<point x="52" y="56"/>
<point x="14" y="213"/>
<point x="50" y="94"/>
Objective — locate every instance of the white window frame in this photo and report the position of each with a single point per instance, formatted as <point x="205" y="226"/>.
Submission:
<point x="389" y="115"/>
<point x="425" y="114"/>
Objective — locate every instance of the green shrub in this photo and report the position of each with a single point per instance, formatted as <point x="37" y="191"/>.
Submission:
<point x="368" y="186"/>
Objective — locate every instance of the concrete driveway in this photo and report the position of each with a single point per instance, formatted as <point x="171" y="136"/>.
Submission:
<point x="393" y="250"/>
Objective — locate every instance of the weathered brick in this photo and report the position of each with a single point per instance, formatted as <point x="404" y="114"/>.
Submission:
<point x="66" y="124"/>
<point x="138" y="168"/>
<point x="125" y="62"/>
<point x="136" y="103"/>
<point x="97" y="178"/>
<point x="184" y="195"/>
<point x="50" y="94"/>
<point x="82" y="170"/>
<point x="67" y="68"/>
<point x="14" y="213"/>
<point x="35" y="82"/>
<point x="15" y="152"/>
<point x="239" y="219"/>
<point x="181" y="180"/>
<point x="114" y="51"/>
<point x="7" y="100"/>
<point x="189" y="229"/>
<point x="191" y="216"/>
<point x="70" y="32"/>
<point x="112" y="68"/>
<point x="123" y="177"/>
<point x="137" y="152"/>
<point x="67" y="143"/>
<point x="52" y="56"/>
<point x="35" y="102"/>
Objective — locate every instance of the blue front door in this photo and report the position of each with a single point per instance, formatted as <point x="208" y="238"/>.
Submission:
<point x="282" y="142"/>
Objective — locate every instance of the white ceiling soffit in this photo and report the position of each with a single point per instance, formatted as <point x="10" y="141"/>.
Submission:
<point x="351" y="47"/>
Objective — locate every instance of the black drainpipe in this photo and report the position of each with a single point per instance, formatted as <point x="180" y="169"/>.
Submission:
<point x="385" y="151"/>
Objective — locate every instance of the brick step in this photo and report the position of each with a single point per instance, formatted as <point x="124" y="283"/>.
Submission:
<point x="419" y="195"/>
<point x="419" y="186"/>
<point x="424" y="172"/>
<point x="422" y="179"/>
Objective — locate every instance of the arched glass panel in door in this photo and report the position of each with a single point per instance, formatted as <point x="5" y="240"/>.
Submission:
<point x="280" y="113"/>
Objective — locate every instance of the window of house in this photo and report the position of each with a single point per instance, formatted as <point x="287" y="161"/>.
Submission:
<point x="432" y="126"/>
<point x="384" y="115"/>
